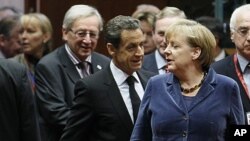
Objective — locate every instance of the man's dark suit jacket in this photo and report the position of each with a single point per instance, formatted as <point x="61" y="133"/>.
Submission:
<point x="56" y="76"/>
<point x="226" y="67"/>
<point x="18" y="121"/>
<point x="99" y="112"/>
<point x="149" y="63"/>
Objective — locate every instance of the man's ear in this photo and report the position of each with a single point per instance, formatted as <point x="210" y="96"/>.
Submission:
<point x="196" y="53"/>
<point x="111" y="49"/>
<point x="2" y="40"/>
<point x="64" y="34"/>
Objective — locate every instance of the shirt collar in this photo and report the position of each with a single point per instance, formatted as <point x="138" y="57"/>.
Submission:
<point x="221" y="55"/>
<point x="120" y="76"/>
<point x="242" y="61"/>
<point x="74" y="58"/>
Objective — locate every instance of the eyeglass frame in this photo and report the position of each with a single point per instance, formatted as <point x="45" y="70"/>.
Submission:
<point x="242" y="31"/>
<point x="92" y="35"/>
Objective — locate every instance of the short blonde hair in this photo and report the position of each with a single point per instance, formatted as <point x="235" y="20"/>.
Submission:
<point x="44" y="24"/>
<point x="197" y="35"/>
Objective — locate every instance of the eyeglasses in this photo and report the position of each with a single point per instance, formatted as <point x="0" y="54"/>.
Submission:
<point x="81" y="34"/>
<point x="243" y="31"/>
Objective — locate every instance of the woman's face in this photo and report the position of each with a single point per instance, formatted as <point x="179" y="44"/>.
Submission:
<point x="179" y="54"/>
<point x="32" y="37"/>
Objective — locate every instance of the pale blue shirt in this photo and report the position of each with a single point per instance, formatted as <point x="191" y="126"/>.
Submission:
<point x="75" y="60"/>
<point x="246" y="71"/>
<point x="120" y="79"/>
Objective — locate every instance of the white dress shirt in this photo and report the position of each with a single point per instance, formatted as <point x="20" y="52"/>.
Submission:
<point x="120" y="79"/>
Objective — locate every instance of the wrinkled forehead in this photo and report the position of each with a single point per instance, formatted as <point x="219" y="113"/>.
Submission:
<point x="243" y="20"/>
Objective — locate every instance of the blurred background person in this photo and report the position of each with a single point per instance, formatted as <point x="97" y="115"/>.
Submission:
<point x="36" y="39"/>
<point x="216" y="27"/>
<point x="57" y="72"/>
<point x="237" y="66"/>
<point x="7" y="11"/>
<point x="156" y="61"/>
<point x="146" y="14"/>
<point x="18" y="120"/>
<point x="191" y="102"/>
<point x="10" y="44"/>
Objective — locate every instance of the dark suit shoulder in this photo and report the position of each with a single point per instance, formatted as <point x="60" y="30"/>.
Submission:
<point x="222" y="64"/>
<point x="53" y="56"/>
<point x="148" y="59"/>
<point x="12" y="68"/>
<point x="147" y="73"/>
<point x="99" y="55"/>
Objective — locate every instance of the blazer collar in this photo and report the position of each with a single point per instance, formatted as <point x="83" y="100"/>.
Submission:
<point x="173" y="88"/>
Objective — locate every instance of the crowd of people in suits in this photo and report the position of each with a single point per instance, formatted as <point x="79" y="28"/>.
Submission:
<point x="167" y="76"/>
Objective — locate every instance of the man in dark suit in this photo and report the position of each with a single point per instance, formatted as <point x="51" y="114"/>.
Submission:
<point x="57" y="73"/>
<point x="18" y="120"/>
<point x="103" y="106"/>
<point x="156" y="61"/>
<point x="237" y="66"/>
<point x="216" y="27"/>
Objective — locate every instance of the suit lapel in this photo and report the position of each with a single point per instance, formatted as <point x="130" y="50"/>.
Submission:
<point x="143" y="79"/>
<point x="174" y="91"/>
<point x="68" y="65"/>
<point x="95" y="63"/>
<point x="117" y="100"/>
<point x="205" y="90"/>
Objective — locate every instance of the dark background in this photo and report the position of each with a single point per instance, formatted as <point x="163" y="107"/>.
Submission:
<point x="55" y="10"/>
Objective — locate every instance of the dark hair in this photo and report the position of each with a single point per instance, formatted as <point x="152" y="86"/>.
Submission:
<point x="115" y="26"/>
<point x="214" y="25"/>
<point x="13" y="9"/>
<point x="7" y="24"/>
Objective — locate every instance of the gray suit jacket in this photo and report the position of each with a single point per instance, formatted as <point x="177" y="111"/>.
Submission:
<point x="18" y="120"/>
<point x="56" y="76"/>
<point x="149" y="63"/>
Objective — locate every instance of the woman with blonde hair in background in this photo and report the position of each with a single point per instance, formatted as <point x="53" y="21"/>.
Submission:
<point x="36" y="40"/>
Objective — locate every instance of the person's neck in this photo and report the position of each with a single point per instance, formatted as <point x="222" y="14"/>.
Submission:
<point x="217" y="51"/>
<point x="190" y="78"/>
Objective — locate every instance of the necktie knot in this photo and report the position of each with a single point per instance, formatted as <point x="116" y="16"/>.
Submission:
<point x="130" y="80"/>
<point x="84" y="67"/>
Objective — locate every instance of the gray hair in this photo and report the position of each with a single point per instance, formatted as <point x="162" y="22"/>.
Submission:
<point x="81" y="11"/>
<point x="169" y="12"/>
<point x="115" y="26"/>
<point x="236" y="13"/>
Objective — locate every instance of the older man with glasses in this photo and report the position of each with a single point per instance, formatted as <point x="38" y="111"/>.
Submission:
<point x="237" y="66"/>
<point x="57" y="73"/>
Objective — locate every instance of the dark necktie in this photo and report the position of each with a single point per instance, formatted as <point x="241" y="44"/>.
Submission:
<point x="135" y="100"/>
<point x="83" y="66"/>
